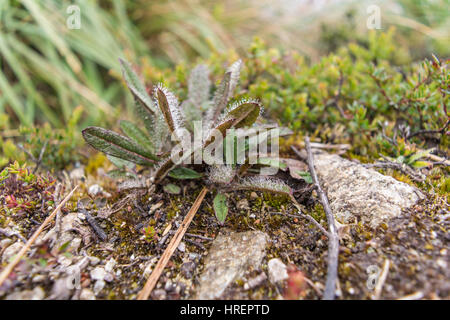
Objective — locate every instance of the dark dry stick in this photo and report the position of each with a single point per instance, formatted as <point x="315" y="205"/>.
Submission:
<point x="333" y="239"/>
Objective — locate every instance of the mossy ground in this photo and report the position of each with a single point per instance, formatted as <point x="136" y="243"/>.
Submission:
<point x="416" y="243"/>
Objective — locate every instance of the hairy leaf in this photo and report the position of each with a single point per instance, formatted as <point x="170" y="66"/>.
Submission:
<point x="168" y="104"/>
<point x="235" y="70"/>
<point x="245" y="112"/>
<point x="184" y="173"/>
<point x="133" y="132"/>
<point x="198" y="95"/>
<point x="222" y="174"/>
<point x="220" y="207"/>
<point x="199" y="86"/>
<point x="136" y="87"/>
<point x="120" y="163"/>
<point x="118" y="146"/>
<point x="220" y="99"/>
<point x="263" y="183"/>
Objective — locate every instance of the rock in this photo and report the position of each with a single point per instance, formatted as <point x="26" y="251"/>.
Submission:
<point x="169" y="286"/>
<point x="243" y="204"/>
<point x="356" y="193"/>
<point x="95" y="190"/>
<point x="4" y="243"/>
<point x="159" y="294"/>
<point x="187" y="269"/>
<point x="109" y="277"/>
<point x="98" y="286"/>
<point x="11" y="251"/>
<point x="62" y="288"/>
<point x="109" y="266"/>
<point x="182" y="247"/>
<point x="87" y="294"/>
<point x="77" y="174"/>
<point x="69" y="223"/>
<point x="98" y="273"/>
<point x="256" y="281"/>
<point x="231" y="254"/>
<point x="277" y="270"/>
<point x="94" y="260"/>
<point x="39" y="278"/>
<point x="35" y="294"/>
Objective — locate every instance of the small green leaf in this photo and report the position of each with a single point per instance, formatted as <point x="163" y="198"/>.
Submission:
<point x="120" y="163"/>
<point x="182" y="173"/>
<point x="305" y="175"/>
<point x="273" y="162"/>
<point x="172" y="188"/>
<point x="220" y="207"/>
<point x="132" y="131"/>
<point x="136" y="87"/>
<point x="121" y="173"/>
<point x="118" y="146"/>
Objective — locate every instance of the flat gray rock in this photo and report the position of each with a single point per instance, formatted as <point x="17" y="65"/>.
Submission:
<point x="356" y="193"/>
<point x="231" y="254"/>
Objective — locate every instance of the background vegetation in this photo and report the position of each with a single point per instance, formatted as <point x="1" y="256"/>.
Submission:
<point x="315" y="67"/>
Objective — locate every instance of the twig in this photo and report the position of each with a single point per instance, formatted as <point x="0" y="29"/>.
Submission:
<point x="333" y="239"/>
<point x="438" y="159"/>
<point x="173" y="245"/>
<point x="299" y="154"/>
<point x="5" y="273"/>
<point x="304" y="215"/>
<point x="381" y="280"/>
<point x="11" y="233"/>
<point x="92" y="222"/>
<point x="199" y="245"/>
<point x="403" y="168"/>
<point x="422" y="132"/>
<point x="198" y="236"/>
<point x="41" y="154"/>
<point x="335" y="100"/>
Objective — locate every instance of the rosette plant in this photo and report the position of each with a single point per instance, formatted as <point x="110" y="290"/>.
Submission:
<point x="163" y="116"/>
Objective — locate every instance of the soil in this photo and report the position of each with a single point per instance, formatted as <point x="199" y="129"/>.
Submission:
<point x="139" y="223"/>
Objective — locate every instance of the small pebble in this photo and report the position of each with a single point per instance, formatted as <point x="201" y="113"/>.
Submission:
<point x="110" y="265"/>
<point x="187" y="269"/>
<point x="94" y="260"/>
<point x="95" y="190"/>
<point x="277" y="270"/>
<point x="98" y="286"/>
<point x="182" y="247"/>
<point x="98" y="273"/>
<point x="87" y="294"/>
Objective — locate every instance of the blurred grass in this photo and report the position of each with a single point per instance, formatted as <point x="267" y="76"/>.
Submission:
<point x="49" y="70"/>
